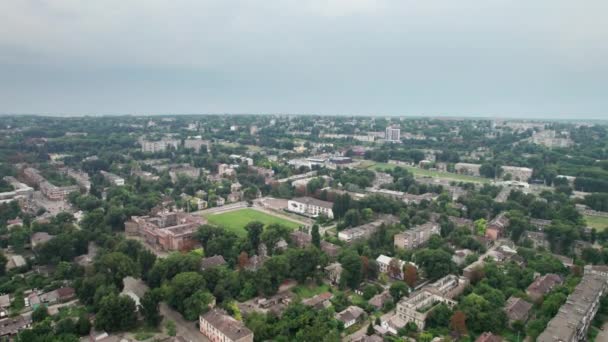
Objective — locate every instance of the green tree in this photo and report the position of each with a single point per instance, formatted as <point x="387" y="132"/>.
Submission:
<point x="351" y="269"/>
<point x="149" y="307"/>
<point x="116" y="313"/>
<point x="116" y="266"/>
<point x="398" y="290"/>
<point x="254" y="231"/>
<point x="316" y="237"/>
<point x="40" y="313"/>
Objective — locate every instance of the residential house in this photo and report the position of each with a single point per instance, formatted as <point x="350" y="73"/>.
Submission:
<point x="542" y="285"/>
<point x="496" y="228"/>
<point x="350" y="316"/>
<point x="40" y="238"/>
<point x="211" y="262"/>
<point x="380" y="299"/>
<point x="385" y="263"/>
<point x="517" y="310"/>
<point x="320" y="301"/>
<point x="418" y="305"/>
<point x="366" y="230"/>
<point x="11" y="326"/>
<point x="333" y="272"/>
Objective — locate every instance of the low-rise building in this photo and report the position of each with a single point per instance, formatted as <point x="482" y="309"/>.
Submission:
<point x="350" y="316"/>
<point x="517" y="310"/>
<point x="467" y="169"/>
<point x="310" y="207"/>
<point x="218" y="326"/>
<point x="211" y="262"/>
<point x="496" y="228"/>
<point x="392" y="266"/>
<point x="542" y="285"/>
<point x="418" y="305"/>
<point x="417" y="236"/>
<point x="574" y="317"/>
<point x="366" y="230"/>
<point x="538" y="239"/>
<point x="113" y="178"/>
<point x="333" y="273"/>
<point x="320" y="301"/>
<point x="57" y="193"/>
<point x="168" y="231"/>
<point x="158" y="145"/>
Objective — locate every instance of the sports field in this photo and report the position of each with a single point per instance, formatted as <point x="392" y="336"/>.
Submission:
<point x="597" y="222"/>
<point x="428" y="173"/>
<point x="236" y="220"/>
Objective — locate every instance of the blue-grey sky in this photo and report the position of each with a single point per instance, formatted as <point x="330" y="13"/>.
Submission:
<point x="541" y="58"/>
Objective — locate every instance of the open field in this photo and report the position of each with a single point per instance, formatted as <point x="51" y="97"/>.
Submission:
<point x="236" y="220"/>
<point x="597" y="222"/>
<point x="428" y="173"/>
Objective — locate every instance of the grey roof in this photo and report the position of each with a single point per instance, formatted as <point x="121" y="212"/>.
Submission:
<point x="314" y="201"/>
<point x="571" y="316"/>
<point x="214" y="261"/>
<point x="229" y="326"/>
<point x="517" y="309"/>
<point x="350" y="313"/>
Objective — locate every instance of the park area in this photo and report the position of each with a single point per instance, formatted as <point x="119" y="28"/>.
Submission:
<point x="235" y="221"/>
<point x="418" y="172"/>
<point x="598" y="222"/>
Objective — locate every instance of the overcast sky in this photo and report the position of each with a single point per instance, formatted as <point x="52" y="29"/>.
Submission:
<point x="540" y="58"/>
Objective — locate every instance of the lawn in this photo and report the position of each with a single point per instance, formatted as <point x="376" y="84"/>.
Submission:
<point x="306" y="291"/>
<point x="429" y="173"/>
<point x="236" y="220"/>
<point x="597" y="222"/>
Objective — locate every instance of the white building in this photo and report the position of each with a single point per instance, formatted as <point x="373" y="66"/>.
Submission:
<point x="417" y="236"/>
<point x="159" y="145"/>
<point x="393" y="134"/>
<point x="310" y="207"/>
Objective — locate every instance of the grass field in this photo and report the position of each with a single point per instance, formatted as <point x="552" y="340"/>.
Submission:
<point x="306" y="291"/>
<point x="236" y="220"/>
<point x="597" y="222"/>
<point x="428" y="173"/>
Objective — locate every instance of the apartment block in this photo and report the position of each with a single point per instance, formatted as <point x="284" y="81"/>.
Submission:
<point x="417" y="236"/>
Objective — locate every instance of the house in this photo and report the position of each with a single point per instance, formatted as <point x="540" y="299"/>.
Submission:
<point x="417" y="236"/>
<point x="350" y="316"/>
<point x="15" y="261"/>
<point x="65" y="294"/>
<point x="488" y="337"/>
<point x="320" y="301"/>
<point x="40" y="238"/>
<point x="538" y="239"/>
<point x="310" y="207"/>
<point x="300" y="239"/>
<point x="543" y="285"/>
<point x="333" y="272"/>
<point x="380" y="299"/>
<point x="330" y="249"/>
<point x="211" y="262"/>
<point x="460" y="256"/>
<point x="112" y="178"/>
<point x="13" y="325"/>
<point x="220" y="201"/>
<point x="217" y="325"/>
<point x="496" y="228"/>
<point x="517" y="309"/>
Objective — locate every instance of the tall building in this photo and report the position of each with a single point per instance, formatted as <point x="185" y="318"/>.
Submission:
<point x="393" y="134"/>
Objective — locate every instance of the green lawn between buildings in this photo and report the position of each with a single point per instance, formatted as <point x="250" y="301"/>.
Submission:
<point x="597" y="222"/>
<point x="236" y="220"/>
<point x="429" y="173"/>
